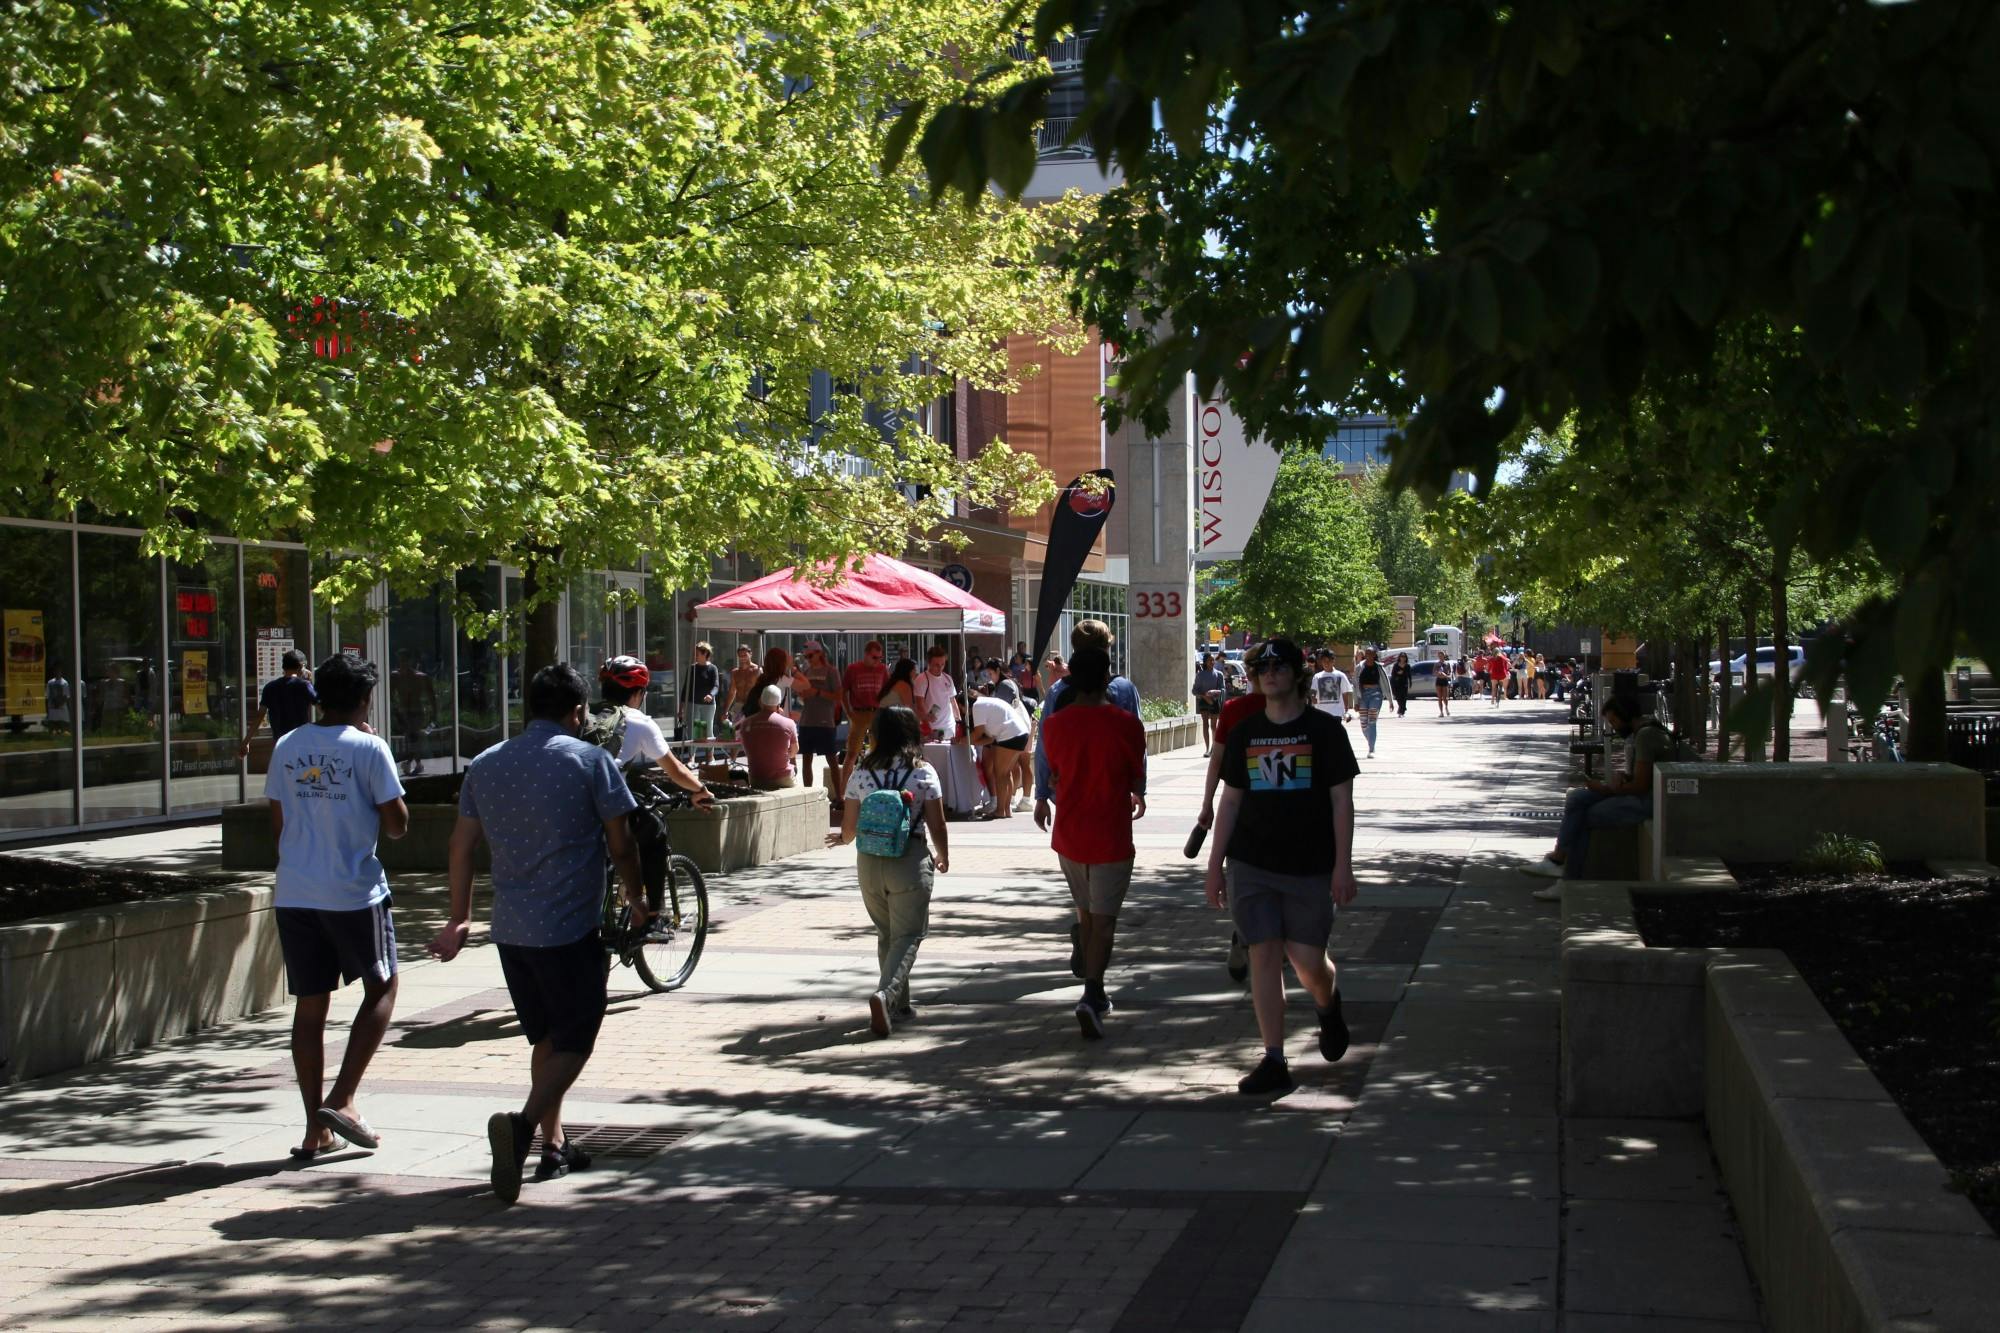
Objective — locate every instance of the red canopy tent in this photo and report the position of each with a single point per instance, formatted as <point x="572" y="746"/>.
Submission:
<point x="883" y="596"/>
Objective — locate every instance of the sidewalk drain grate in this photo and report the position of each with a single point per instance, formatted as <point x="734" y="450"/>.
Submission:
<point x="1537" y="814"/>
<point x="619" y="1140"/>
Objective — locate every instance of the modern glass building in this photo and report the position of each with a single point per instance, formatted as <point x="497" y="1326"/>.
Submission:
<point x="1357" y="444"/>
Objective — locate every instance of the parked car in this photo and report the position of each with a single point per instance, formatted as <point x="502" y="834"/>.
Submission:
<point x="1767" y="658"/>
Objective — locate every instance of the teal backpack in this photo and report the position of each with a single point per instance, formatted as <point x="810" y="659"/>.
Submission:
<point x="886" y="818"/>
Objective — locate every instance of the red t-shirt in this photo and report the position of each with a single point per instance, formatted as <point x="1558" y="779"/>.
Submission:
<point x="1098" y="758"/>
<point x="863" y="684"/>
<point x="1234" y="711"/>
<point x="768" y="740"/>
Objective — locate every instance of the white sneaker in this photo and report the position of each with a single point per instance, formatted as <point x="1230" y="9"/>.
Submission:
<point x="1552" y="893"/>
<point x="1544" y="869"/>
<point x="1023" y="806"/>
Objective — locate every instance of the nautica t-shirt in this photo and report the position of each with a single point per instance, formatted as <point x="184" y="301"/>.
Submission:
<point x="328" y="781"/>
<point x="1284" y="822"/>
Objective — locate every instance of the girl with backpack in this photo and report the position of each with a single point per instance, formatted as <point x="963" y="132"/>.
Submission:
<point x="893" y="797"/>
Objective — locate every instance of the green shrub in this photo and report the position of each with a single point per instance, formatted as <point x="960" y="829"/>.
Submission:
<point x="1159" y="710"/>
<point x="1841" y="854"/>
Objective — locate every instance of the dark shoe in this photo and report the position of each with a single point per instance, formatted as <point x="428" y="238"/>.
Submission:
<point x="1239" y="957"/>
<point x="902" y="1011"/>
<point x="508" y="1134"/>
<point x="878" y="1013"/>
<point x="1098" y="999"/>
<point x="1333" y="1030"/>
<point x="1089" y="1020"/>
<point x="1076" y="950"/>
<point x="559" y="1163"/>
<point x="1269" y="1076"/>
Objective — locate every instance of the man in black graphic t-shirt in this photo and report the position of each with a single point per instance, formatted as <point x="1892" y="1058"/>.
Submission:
<point x="1285" y="829"/>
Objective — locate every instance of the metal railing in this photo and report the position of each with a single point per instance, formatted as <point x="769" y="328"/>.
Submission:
<point x="1052" y="139"/>
<point x="1065" y="53"/>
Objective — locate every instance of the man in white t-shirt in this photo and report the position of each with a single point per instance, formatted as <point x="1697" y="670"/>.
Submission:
<point x="937" y="697"/>
<point x="621" y="679"/>
<point x="333" y="791"/>
<point x="1332" y="691"/>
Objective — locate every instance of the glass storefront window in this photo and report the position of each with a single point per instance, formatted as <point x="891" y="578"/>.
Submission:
<point x="122" y="685"/>
<point x="277" y="601"/>
<point x="417" y="683"/>
<point x="204" y="682"/>
<point x="589" y="625"/>
<point x="478" y="669"/>
<point x="38" y="691"/>
<point x="516" y="688"/>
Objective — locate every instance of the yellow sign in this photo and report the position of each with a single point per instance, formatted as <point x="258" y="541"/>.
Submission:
<point x="194" y="680"/>
<point x="26" y="658"/>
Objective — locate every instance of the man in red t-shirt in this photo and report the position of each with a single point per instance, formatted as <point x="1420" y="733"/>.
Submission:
<point x="860" y="686"/>
<point x="1097" y="761"/>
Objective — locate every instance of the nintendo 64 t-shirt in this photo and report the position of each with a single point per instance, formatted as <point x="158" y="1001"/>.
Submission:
<point x="1284" y="823"/>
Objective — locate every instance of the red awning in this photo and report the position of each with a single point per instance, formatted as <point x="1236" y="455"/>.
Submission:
<point x="883" y="596"/>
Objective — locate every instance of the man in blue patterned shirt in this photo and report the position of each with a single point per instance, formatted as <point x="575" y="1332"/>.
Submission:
<point x="548" y="804"/>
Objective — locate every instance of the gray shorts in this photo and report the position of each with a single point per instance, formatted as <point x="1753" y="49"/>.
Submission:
<point x="1097" y="889"/>
<point x="1268" y="906"/>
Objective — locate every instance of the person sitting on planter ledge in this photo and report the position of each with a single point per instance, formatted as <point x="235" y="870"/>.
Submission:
<point x="770" y="740"/>
<point x="1617" y="803"/>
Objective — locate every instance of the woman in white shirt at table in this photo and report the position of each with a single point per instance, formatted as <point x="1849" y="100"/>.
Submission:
<point x="1000" y="724"/>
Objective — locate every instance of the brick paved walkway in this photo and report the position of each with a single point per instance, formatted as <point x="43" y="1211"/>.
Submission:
<point x="984" y="1166"/>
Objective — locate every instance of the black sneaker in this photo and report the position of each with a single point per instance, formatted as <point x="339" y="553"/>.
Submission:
<point x="902" y="1012"/>
<point x="1269" y="1076"/>
<point x="1333" y="1030"/>
<point x="1098" y="999"/>
<point x="561" y="1161"/>
<point x="1089" y="1020"/>
<point x="1239" y="957"/>
<point x="508" y="1134"/>
<point x="1076" y="950"/>
<point x="879" y="1021"/>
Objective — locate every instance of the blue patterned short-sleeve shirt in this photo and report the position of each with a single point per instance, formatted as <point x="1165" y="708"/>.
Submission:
<point x="542" y="798"/>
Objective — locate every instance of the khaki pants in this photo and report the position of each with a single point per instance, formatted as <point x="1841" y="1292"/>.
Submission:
<point x="897" y="893"/>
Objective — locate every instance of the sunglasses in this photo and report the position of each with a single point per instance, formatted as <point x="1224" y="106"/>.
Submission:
<point x="1264" y="666"/>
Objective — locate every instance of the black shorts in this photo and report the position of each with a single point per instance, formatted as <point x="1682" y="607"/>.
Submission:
<point x="820" y="741"/>
<point x="1205" y="708"/>
<point x="325" y="950"/>
<point x="558" y="992"/>
<point x="1018" y="743"/>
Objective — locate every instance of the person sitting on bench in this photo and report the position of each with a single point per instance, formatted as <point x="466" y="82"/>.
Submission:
<point x="1617" y="802"/>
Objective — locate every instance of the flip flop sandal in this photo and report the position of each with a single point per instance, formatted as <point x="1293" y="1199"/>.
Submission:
<point x="311" y="1154"/>
<point x="356" y="1131"/>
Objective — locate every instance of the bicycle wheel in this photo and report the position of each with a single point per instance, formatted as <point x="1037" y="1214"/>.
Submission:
<point x="665" y="955"/>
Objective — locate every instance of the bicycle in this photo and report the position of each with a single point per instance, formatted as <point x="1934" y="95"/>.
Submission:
<point x="664" y="952"/>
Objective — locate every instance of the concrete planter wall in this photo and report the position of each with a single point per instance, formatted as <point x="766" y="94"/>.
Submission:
<point x="1772" y="812"/>
<point x="741" y="831"/>
<point x="1848" y="1218"/>
<point x="91" y="984"/>
<point x="1174" y="733"/>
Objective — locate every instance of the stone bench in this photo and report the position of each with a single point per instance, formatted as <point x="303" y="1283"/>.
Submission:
<point x="740" y="831"/>
<point x="1849" y="1220"/>
<point x="95" y="983"/>
<point x="1773" y="812"/>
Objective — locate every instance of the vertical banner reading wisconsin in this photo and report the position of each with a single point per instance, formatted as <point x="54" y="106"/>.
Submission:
<point x="1079" y="517"/>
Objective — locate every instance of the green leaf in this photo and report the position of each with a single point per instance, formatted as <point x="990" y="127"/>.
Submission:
<point x="1390" y="312"/>
<point x="1479" y="307"/>
<point x="1522" y="239"/>
<point x="1896" y="517"/>
<point x="1574" y="273"/>
<point x="897" y="141"/>
<point x="1947" y="156"/>
<point x="1948" y="265"/>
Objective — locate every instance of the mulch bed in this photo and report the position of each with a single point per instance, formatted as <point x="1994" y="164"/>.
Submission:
<point x="1910" y="970"/>
<point x="32" y="887"/>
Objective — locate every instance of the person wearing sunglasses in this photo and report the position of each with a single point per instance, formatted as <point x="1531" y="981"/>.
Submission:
<point x="1282" y="856"/>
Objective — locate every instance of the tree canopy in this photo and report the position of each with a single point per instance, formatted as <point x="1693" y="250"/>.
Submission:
<point x="1309" y="569"/>
<point x="1414" y="559"/>
<point x="549" y="279"/>
<point x="1561" y="213"/>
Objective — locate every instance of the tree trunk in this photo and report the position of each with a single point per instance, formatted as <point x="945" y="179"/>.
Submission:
<point x="1686" y="696"/>
<point x="1924" y="735"/>
<point x="1781" y="659"/>
<point x="1698" y="732"/>
<point x="541" y="628"/>
<point x="1753" y="744"/>
<point x="1722" y="698"/>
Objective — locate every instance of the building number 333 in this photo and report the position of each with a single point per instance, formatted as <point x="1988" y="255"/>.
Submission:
<point x="1150" y="605"/>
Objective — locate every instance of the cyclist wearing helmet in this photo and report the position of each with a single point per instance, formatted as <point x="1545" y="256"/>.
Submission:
<point x="620" y="679"/>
